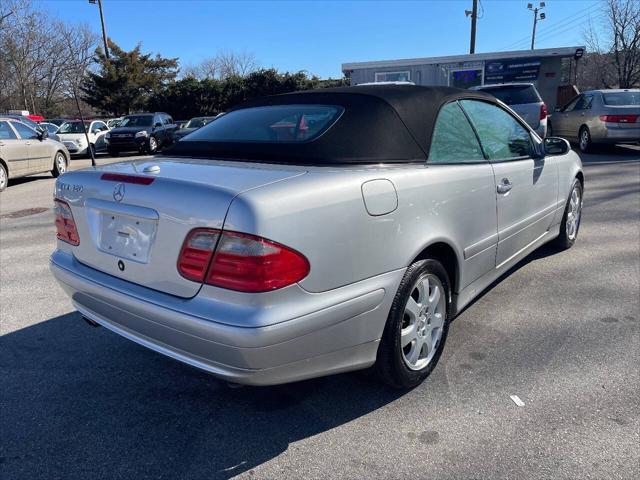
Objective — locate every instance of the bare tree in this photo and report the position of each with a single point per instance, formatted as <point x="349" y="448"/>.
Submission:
<point x="223" y="65"/>
<point x="616" y="44"/>
<point x="40" y="57"/>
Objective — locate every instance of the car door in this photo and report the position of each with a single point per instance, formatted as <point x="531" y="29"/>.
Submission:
<point x="39" y="151"/>
<point x="574" y="116"/>
<point x="13" y="150"/>
<point x="526" y="184"/>
<point x="456" y="158"/>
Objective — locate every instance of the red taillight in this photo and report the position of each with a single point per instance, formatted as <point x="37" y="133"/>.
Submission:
<point x="65" y="224"/>
<point x="118" y="177"/>
<point x="196" y="252"/>
<point x="241" y="262"/>
<point x="543" y="111"/>
<point x="619" y="118"/>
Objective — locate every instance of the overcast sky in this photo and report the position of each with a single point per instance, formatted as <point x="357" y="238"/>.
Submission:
<point x="318" y="36"/>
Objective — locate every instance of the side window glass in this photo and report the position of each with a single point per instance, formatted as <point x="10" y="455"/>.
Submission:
<point x="588" y="100"/>
<point x="572" y="104"/>
<point x="6" y="133"/>
<point x="453" y="139"/>
<point x="501" y="135"/>
<point x="25" y="132"/>
<point x="157" y="119"/>
<point x="95" y="127"/>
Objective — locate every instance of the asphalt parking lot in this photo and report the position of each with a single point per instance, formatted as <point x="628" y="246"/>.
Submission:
<point x="561" y="331"/>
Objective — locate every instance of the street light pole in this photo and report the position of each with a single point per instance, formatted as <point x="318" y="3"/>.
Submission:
<point x="474" y="17"/>
<point x="104" y="30"/>
<point x="535" y="20"/>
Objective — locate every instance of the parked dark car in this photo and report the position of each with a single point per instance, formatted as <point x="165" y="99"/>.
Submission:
<point x="142" y="132"/>
<point x="192" y="125"/>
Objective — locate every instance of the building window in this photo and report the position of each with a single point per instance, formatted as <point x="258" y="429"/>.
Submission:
<point x="393" y="76"/>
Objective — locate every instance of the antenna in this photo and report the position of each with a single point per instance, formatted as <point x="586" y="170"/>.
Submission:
<point x="84" y="127"/>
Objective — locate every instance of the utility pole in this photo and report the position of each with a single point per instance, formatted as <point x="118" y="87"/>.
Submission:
<point x="474" y="17"/>
<point x="104" y="30"/>
<point x="542" y="16"/>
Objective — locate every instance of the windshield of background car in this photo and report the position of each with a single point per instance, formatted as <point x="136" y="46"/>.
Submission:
<point x="137" y="121"/>
<point x="271" y="124"/>
<point x="514" y="95"/>
<point x="71" y="127"/>
<point x="197" y="122"/>
<point x="622" y="98"/>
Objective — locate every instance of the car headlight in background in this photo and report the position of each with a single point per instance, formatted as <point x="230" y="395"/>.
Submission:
<point x="142" y="134"/>
<point x="108" y="135"/>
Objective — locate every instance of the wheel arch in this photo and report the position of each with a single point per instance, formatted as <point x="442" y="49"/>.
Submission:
<point x="580" y="176"/>
<point x="6" y="167"/>
<point x="443" y="252"/>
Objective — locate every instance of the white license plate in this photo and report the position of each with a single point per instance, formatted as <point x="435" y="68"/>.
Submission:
<point x="126" y="237"/>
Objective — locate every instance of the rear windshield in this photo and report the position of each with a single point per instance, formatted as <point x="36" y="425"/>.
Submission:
<point x="71" y="127"/>
<point x="514" y="95"/>
<point x="622" y="98"/>
<point x="272" y="124"/>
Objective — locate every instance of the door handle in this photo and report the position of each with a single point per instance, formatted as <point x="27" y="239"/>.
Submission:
<point x="504" y="186"/>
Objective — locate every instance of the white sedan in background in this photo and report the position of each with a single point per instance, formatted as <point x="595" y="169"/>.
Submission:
<point x="72" y="135"/>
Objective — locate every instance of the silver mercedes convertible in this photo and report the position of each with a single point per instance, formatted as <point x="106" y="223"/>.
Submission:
<point x="316" y="232"/>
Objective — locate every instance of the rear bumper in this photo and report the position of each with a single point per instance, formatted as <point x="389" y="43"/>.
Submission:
<point x="342" y="336"/>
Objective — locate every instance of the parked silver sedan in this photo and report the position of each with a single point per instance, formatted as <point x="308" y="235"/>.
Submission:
<point x="317" y="232"/>
<point x="599" y="117"/>
<point x="24" y="151"/>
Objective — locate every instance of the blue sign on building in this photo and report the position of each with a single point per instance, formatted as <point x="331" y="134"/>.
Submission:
<point x="504" y="71"/>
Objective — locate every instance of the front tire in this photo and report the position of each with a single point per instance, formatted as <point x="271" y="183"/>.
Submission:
<point x="4" y="177"/>
<point x="153" y="145"/>
<point x="571" y="218"/>
<point x="584" y="140"/>
<point x="59" y="164"/>
<point x="417" y="326"/>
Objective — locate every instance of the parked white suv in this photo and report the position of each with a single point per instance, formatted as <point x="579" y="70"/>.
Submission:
<point x="524" y="99"/>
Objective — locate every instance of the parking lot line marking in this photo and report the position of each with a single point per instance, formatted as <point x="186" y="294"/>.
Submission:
<point x="517" y="401"/>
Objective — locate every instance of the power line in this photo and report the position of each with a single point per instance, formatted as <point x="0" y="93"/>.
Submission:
<point x="525" y="40"/>
<point x="551" y="34"/>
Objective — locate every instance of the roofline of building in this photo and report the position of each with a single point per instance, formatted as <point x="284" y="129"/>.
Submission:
<point x="562" y="52"/>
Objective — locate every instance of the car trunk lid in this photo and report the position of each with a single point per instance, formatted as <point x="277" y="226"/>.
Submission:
<point x="133" y="217"/>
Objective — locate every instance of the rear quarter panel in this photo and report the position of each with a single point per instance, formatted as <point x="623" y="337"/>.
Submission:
<point x="323" y="216"/>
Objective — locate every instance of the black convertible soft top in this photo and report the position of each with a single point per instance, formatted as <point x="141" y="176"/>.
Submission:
<point x="380" y="124"/>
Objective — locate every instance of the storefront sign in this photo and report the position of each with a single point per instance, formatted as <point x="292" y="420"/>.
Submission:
<point x="504" y="71"/>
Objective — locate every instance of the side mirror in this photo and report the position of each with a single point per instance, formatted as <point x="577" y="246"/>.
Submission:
<point x="158" y="124"/>
<point x="42" y="134"/>
<point x="556" y="146"/>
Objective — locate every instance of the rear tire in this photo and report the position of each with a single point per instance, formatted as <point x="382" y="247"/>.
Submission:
<point x="419" y="322"/>
<point x="59" y="164"/>
<point x="571" y="219"/>
<point x="584" y="140"/>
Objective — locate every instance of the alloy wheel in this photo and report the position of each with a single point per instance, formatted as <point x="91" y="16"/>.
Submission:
<point x="584" y="140"/>
<point x="423" y="322"/>
<point x="61" y="163"/>
<point x="574" y="213"/>
<point x="3" y="179"/>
